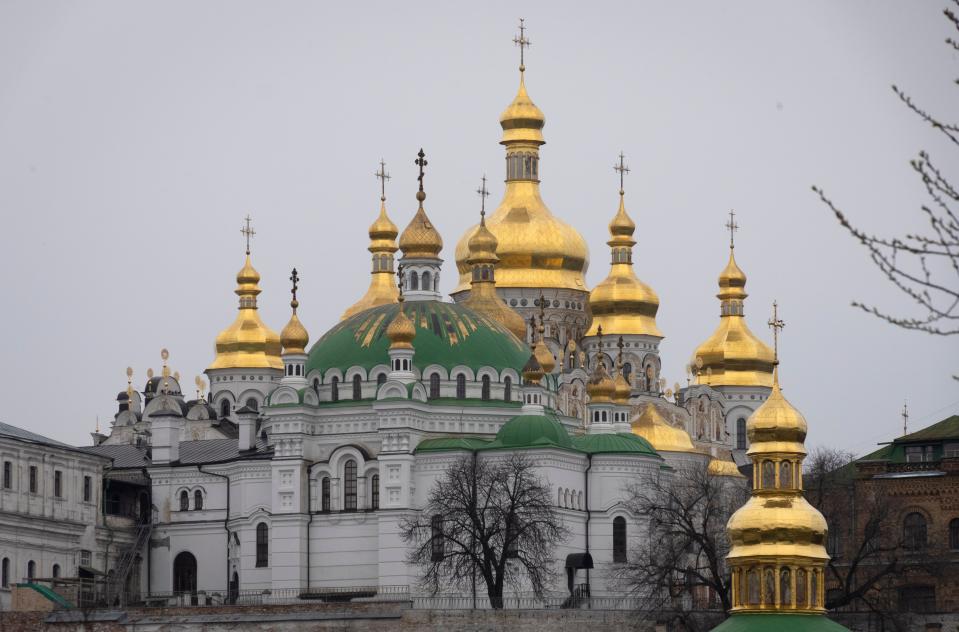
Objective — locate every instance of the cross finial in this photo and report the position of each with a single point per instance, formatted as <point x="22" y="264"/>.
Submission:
<point x="905" y="419"/>
<point x="622" y="170"/>
<point x="523" y="44"/>
<point x="732" y="226"/>
<point x="399" y="282"/>
<point x="295" y="280"/>
<point x="483" y="193"/>
<point x="619" y="359"/>
<point x="248" y="232"/>
<point x="777" y="324"/>
<point x="421" y="162"/>
<point x="383" y="177"/>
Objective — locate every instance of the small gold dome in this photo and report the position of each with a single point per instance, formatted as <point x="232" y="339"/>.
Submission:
<point x="776" y="426"/>
<point x="651" y="425"/>
<point x="543" y="355"/>
<point x="401" y="331"/>
<point x="777" y="527"/>
<point x="247" y="343"/>
<point x="294" y="336"/>
<point x="621" y="303"/>
<point x="723" y="467"/>
<point x="733" y="355"/>
<point x="622" y="391"/>
<point x="600" y="386"/>
<point x="532" y="372"/>
<point x="483" y="298"/>
<point x="382" y="289"/>
<point x="420" y="239"/>
<point x="383" y="232"/>
<point x="522" y="120"/>
<point x="482" y="245"/>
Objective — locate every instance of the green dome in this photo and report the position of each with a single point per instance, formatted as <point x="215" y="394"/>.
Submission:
<point x="614" y="444"/>
<point x="447" y="334"/>
<point x="778" y="622"/>
<point x="531" y="431"/>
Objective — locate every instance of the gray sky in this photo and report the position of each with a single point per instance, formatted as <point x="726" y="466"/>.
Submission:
<point x="134" y="136"/>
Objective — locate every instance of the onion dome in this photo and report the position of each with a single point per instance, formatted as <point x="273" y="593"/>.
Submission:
<point x="543" y="355"/>
<point x="621" y="303"/>
<point x="733" y="355"/>
<point x="532" y="371"/>
<point x="401" y="330"/>
<point x="622" y="389"/>
<point x="294" y="336"/>
<point x="248" y="343"/>
<point x="600" y="386"/>
<point x="420" y="239"/>
<point x="651" y="425"/>
<point x="722" y="467"/>
<point x="382" y="289"/>
<point x="536" y="249"/>
<point x="483" y="298"/>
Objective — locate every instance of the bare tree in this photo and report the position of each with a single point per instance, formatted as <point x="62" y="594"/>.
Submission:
<point x="923" y="266"/>
<point x="490" y="517"/>
<point x="683" y="562"/>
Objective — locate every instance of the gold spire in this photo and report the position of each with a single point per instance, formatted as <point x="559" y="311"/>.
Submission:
<point x="420" y="239"/>
<point x="622" y="304"/>
<point x="482" y="257"/>
<point x="383" y="232"/>
<point x="733" y="355"/>
<point x="778" y="554"/>
<point x="536" y="249"/>
<point x="294" y="336"/>
<point x="247" y="343"/>
<point x="651" y="425"/>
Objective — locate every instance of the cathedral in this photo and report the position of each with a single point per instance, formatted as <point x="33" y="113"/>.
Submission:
<point x="296" y="468"/>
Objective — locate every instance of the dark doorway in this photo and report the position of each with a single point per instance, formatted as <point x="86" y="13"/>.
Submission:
<point x="184" y="576"/>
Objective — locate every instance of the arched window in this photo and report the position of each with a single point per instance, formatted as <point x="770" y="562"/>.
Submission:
<point x="785" y="588"/>
<point x="833" y="539"/>
<point x="335" y="389"/>
<point x="325" y="494"/>
<point x="316" y="385"/>
<point x="628" y="372"/>
<point x="31" y="569"/>
<point x="381" y="379"/>
<point x="349" y="486"/>
<point x="801" y="588"/>
<point x="197" y="500"/>
<point x="252" y="404"/>
<point x="184" y="500"/>
<point x="414" y="281"/>
<point x="436" y="538"/>
<point x="619" y="539"/>
<point x="786" y="475"/>
<point x="753" y="586"/>
<point x="741" y="433"/>
<point x="262" y="545"/>
<point x="814" y="588"/>
<point x="507" y="389"/>
<point x="375" y="491"/>
<point x="914" y="531"/>
<point x="769" y="475"/>
<point x="425" y="281"/>
<point x="55" y="571"/>
<point x="485" y="392"/>
<point x="461" y="386"/>
<point x="770" y="596"/>
<point x="357" y="387"/>
<point x="224" y="408"/>
<point x="954" y="534"/>
<point x="434" y="385"/>
<point x="184" y="574"/>
<point x="5" y="573"/>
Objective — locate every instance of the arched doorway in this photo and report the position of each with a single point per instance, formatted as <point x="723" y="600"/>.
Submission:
<point x="184" y="576"/>
<point x="234" y="587"/>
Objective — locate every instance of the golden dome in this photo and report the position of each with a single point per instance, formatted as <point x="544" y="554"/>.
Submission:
<point x="248" y="343"/>
<point x="532" y="372"/>
<point x="294" y="336"/>
<point x="723" y="467"/>
<point x="776" y="426"/>
<point x="600" y="386"/>
<point x="483" y="298"/>
<point x="621" y="303"/>
<point x="420" y="239"/>
<point x="535" y="248"/>
<point x="651" y="425"/>
<point x="622" y="391"/>
<point x="733" y="355"/>
<point x="382" y="289"/>
<point x="401" y="331"/>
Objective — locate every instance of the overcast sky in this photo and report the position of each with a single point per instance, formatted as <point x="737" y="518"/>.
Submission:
<point x="135" y="136"/>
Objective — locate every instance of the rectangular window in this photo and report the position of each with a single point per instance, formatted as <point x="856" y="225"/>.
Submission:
<point x="33" y="479"/>
<point x="917" y="599"/>
<point x="929" y="453"/>
<point x="58" y="483"/>
<point x="87" y="489"/>
<point x="914" y="454"/>
<point x="951" y="450"/>
<point x="85" y="557"/>
<point x="7" y="475"/>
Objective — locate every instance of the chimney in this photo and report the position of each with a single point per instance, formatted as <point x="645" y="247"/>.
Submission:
<point x="165" y="426"/>
<point x="247" y="423"/>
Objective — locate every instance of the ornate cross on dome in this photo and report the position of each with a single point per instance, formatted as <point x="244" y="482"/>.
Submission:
<point x="383" y="177"/>
<point x="732" y="226"/>
<point x="619" y="360"/>
<point x="777" y="324"/>
<point x="295" y="279"/>
<point x="523" y="44"/>
<point x="905" y="419"/>
<point x="622" y="169"/>
<point x="399" y="282"/>
<point x="248" y="232"/>
<point x="483" y="193"/>
<point x="421" y="162"/>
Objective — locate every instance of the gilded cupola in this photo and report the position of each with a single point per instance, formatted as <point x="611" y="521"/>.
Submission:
<point x="248" y="343"/>
<point x="401" y="331"/>
<point x="383" y="232"/>
<point x="536" y="249"/>
<point x="420" y="239"/>
<point x="600" y="387"/>
<point x="540" y="348"/>
<point x="652" y="426"/>
<point x="483" y="298"/>
<point x="778" y="553"/>
<point x="294" y="336"/>
<point x="622" y="304"/>
<point x="733" y="355"/>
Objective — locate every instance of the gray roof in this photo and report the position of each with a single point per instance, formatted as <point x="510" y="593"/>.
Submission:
<point x="6" y="430"/>
<point x="123" y="455"/>
<point x="216" y="450"/>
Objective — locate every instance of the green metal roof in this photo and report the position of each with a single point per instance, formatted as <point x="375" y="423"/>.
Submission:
<point x="946" y="429"/>
<point x="441" y="444"/>
<point x="613" y="444"/>
<point x="447" y="334"/>
<point x="779" y="622"/>
<point x="532" y="431"/>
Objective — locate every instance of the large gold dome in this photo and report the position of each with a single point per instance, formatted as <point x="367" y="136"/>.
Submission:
<point x="535" y="248"/>
<point x="651" y="425"/>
